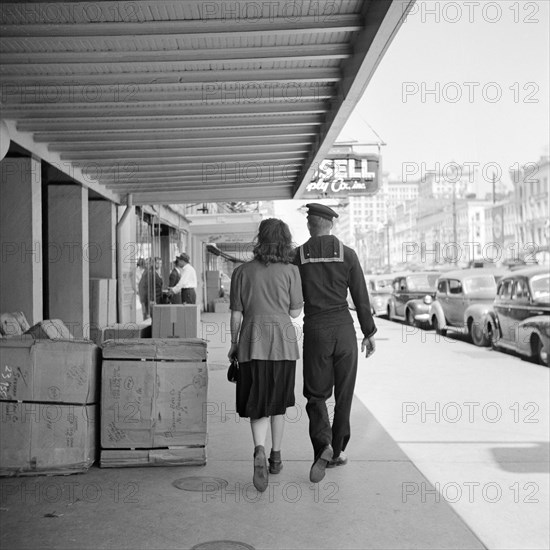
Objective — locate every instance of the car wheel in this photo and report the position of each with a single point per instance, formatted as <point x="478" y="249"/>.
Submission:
<point x="410" y="318"/>
<point x="477" y="334"/>
<point x="390" y="312"/>
<point x="540" y="355"/>
<point x="437" y="327"/>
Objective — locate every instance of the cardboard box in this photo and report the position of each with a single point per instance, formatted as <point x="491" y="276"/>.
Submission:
<point x="49" y="371"/>
<point x="121" y="331"/>
<point x="47" y="438"/>
<point x="179" y="456"/>
<point x="146" y="404"/>
<point x="176" y="321"/>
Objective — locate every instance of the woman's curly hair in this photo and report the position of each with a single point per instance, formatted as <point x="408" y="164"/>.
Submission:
<point x="273" y="242"/>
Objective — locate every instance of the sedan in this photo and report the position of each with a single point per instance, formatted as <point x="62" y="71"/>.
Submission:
<point x="520" y="320"/>
<point x="380" y="289"/>
<point x="463" y="299"/>
<point x="411" y="297"/>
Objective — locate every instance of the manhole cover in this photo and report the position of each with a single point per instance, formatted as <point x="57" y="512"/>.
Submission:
<point x="199" y="483"/>
<point x="222" y="545"/>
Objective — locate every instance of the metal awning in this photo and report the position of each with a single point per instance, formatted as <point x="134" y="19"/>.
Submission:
<point x="180" y="101"/>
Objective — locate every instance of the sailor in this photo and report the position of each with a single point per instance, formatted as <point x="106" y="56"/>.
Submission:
<point x="328" y="270"/>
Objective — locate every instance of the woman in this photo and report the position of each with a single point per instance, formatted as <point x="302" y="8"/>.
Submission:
<point x="150" y="279"/>
<point x="265" y="293"/>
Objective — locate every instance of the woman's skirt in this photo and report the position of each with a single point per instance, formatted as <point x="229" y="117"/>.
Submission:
<point x="265" y="388"/>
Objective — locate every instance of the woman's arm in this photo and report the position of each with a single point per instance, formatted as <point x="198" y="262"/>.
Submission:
<point x="235" y="325"/>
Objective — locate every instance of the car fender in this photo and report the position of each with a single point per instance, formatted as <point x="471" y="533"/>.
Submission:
<point x="437" y="310"/>
<point x="539" y="325"/>
<point x="413" y="305"/>
<point x="477" y="312"/>
<point x="539" y="322"/>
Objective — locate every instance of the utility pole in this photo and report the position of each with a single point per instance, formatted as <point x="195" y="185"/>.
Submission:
<point x="388" y="244"/>
<point x="455" y="237"/>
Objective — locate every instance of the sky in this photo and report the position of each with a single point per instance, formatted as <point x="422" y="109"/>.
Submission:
<point x="487" y="65"/>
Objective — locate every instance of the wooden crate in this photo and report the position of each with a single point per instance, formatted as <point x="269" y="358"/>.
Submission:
<point x="152" y="402"/>
<point x="175" y="456"/>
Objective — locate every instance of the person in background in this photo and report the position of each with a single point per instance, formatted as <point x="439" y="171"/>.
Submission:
<point x="175" y="276"/>
<point x="265" y="294"/>
<point x="150" y="285"/>
<point x="187" y="284"/>
<point x="328" y="269"/>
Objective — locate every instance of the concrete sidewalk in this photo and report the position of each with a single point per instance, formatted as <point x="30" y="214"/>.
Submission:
<point x="362" y="505"/>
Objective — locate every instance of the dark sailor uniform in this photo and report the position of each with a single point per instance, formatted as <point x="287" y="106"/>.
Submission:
<point x="327" y="269"/>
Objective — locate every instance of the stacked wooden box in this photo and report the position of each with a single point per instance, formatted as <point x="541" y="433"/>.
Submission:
<point x="152" y="402"/>
<point x="49" y="392"/>
<point x="176" y="321"/>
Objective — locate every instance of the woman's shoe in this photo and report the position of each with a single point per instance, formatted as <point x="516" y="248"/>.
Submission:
<point x="261" y="477"/>
<point x="275" y="462"/>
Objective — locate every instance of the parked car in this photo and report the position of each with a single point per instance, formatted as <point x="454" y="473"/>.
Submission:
<point x="411" y="297"/>
<point x="520" y="320"/>
<point x="463" y="299"/>
<point x="380" y="289"/>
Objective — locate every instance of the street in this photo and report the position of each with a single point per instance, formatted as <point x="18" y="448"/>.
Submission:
<point x="473" y="421"/>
